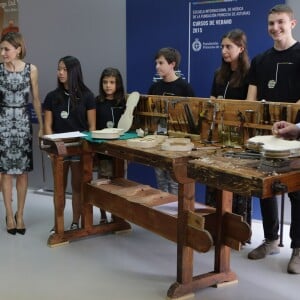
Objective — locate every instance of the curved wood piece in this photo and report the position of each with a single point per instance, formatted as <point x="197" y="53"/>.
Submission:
<point x="126" y="119"/>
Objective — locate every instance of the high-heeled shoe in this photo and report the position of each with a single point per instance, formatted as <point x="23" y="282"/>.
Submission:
<point x="12" y="231"/>
<point x="19" y="230"/>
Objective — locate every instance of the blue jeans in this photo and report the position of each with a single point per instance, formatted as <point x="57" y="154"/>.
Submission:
<point x="269" y="211"/>
<point x="165" y="182"/>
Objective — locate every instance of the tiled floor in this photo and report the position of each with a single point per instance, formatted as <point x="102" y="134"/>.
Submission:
<point x="138" y="265"/>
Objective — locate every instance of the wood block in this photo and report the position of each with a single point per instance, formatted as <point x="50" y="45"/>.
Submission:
<point x="226" y="283"/>
<point x="58" y="244"/>
<point x="235" y="230"/>
<point x="185" y="297"/>
<point x="195" y="220"/>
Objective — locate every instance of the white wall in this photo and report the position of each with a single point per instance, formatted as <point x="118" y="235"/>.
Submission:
<point x="295" y="4"/>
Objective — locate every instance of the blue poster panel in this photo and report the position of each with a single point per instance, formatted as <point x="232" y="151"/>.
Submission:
<point x="209" y="21"/>
<point x="195" y="28"/>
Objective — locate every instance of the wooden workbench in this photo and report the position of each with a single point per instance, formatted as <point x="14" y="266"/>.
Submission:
<point x="192" y="229"/>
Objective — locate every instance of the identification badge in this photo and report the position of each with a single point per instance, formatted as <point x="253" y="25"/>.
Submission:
<point x="64" y="114"/>
<point x="110" y="124"/>
<point x="271" y="84"/>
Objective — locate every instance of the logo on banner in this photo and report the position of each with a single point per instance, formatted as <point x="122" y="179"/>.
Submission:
<point x="196" y="45"/>
<point x="178" y="73"/>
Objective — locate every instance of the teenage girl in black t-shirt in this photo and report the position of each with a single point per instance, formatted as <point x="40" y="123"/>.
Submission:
<point x="231" y="82"/>
<point x="70" y="107"/>
<point x="110" y="105"/>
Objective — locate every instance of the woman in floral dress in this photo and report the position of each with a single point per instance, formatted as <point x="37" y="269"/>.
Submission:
<point x="17" y="80"/>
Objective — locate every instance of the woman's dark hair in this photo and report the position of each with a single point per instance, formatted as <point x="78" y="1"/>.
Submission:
<point x="119" y="95"/>
<point x="238" y="37"/>
<point x="76" y="86"/>
<point x="16" y="39"/>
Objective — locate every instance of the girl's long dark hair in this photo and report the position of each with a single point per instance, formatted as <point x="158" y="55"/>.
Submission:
<point x="76" y="86"/>
<point x="238" y="37"/>
<point x="119" y="95"/>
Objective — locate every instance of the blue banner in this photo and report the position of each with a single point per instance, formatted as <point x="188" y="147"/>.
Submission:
<point x="195" y="28"/>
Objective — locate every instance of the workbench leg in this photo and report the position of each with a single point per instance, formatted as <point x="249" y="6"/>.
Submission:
<point x="222" y="252"/>
<point x="185" y="255"/>
<point x="87" y="172"/>
<point x="186" y="202"/>
<point x="59" y="202"/>
<point x="187" y="283"/>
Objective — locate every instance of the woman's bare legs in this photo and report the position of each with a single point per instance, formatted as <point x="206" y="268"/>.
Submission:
<point x="22" y="187"/>
<point x="7" y="181"/>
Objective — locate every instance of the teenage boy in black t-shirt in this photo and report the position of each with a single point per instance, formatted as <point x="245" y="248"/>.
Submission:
<point x="275" y="76"/>
<point x="167" y="61"/>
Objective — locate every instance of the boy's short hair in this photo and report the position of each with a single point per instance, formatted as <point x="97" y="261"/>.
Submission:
<point x="170" y="54"/>
<point x="282" y="8"/>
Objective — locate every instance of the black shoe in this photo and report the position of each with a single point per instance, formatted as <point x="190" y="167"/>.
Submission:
<point x="19" y="230"/>
<point x="12" y="231"/>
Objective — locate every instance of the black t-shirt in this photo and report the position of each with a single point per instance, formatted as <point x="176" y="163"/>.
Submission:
<point x="106" y="111"/>
<point x="276" y="74"/>
<point x="66" y="116"/>
<point x="227" y="91"/>
<point x="178" y="87"/>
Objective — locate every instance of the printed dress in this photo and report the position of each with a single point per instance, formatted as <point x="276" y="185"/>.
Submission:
<point x="15" y="125"/>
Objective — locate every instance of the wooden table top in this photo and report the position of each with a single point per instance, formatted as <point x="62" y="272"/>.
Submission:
<point x="207" y="165"/>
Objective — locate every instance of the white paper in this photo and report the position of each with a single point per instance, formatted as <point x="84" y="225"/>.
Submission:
<point x="65" y="135"/>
